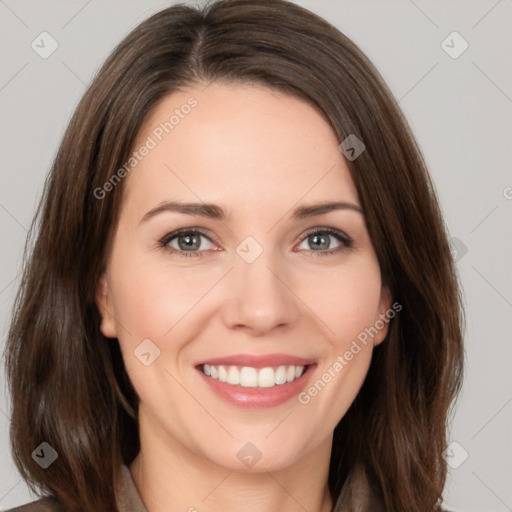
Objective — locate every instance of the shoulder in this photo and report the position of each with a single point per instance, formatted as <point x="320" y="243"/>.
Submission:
<point x="41" y="505"/>
<point x="128" y="499"/>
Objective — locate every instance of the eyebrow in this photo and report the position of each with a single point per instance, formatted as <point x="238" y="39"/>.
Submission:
<point x="216" y="212"/>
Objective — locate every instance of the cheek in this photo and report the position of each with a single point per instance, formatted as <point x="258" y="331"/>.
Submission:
<point x="347" y="302"/>
<point x="152" y="295"/>
<point x="346" y="299"/>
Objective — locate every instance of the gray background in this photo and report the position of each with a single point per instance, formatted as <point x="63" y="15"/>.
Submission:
<point x="459" y="109"/>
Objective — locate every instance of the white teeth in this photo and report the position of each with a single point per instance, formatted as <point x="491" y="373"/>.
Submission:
<point x="266" y="378"/>
<point x="281" y="375"/>
<point x="233" y="375"/>
<point x="249" y="377"/>
<point x="223" y="374"/>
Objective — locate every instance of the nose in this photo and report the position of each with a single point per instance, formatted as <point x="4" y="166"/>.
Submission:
<point x="258" y="297"/>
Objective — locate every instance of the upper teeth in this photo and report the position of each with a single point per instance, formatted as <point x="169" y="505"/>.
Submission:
<point x="249" y="377"/>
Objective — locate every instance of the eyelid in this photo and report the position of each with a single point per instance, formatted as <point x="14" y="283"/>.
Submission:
<point x="173" y="234"/>
<point x="331" y="231"/>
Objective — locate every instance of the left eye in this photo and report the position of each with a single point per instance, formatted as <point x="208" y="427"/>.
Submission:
<point x="321" y="239"/>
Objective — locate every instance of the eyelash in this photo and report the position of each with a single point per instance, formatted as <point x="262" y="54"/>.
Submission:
<point x="340" y="236"/>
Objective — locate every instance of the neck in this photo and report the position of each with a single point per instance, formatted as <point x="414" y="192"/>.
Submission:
<point x="169" y="476"/>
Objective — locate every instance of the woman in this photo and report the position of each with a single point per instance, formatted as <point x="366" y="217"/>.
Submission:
<point x="241" y="293"/>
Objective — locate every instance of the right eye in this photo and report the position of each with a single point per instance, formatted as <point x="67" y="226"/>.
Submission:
<point x="185" y="242"/>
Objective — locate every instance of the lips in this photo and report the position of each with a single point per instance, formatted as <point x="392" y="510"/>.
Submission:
<point x="256" y="380"/>
<point x="257" y="361"/>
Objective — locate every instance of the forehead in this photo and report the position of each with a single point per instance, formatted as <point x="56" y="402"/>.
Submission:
<point x="237" y="144"/>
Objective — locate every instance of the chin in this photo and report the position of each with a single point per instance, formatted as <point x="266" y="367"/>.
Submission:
<point x="255" y="457"/>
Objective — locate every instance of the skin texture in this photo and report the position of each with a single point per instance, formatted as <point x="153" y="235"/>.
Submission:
<point x="259" y="154"/>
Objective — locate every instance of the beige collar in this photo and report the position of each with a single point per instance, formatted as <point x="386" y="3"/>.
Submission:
<point x="129" y="499"/>
<point x="357" y="494"/>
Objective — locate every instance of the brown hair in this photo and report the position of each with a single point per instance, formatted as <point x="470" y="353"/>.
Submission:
<point x="68" y="383"/>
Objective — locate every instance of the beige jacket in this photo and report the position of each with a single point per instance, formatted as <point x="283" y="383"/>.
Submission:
<point x="356" y="496"/>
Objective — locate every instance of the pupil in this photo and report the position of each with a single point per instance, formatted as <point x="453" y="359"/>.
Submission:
<point x="325" y="244"/>
<point x="191" y="242"/>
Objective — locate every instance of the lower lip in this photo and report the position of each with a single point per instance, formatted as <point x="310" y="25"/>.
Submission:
<point x="258" y="398"/>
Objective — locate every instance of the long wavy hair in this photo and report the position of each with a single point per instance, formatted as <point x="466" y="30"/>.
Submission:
<point x="68" y="383"/>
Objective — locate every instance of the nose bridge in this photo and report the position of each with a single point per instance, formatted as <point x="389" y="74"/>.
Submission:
<point x="258" y="297"/>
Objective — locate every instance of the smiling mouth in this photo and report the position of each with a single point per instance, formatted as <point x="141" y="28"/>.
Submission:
<point x="250" y="377"/>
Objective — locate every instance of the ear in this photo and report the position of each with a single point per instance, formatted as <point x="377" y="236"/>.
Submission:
<point x="104" y="303"/>
<point x="384" y="317"/>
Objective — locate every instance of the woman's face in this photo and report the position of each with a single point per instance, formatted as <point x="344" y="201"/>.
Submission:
<point x="248" y="288"/>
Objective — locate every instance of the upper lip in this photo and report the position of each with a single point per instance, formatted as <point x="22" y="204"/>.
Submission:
<point x="257" y="361"/>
